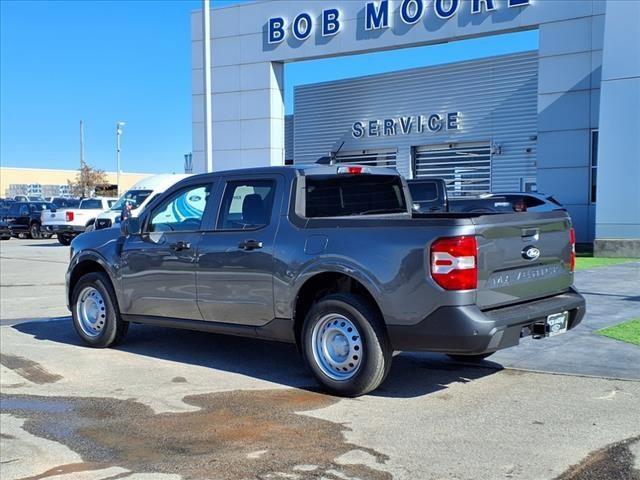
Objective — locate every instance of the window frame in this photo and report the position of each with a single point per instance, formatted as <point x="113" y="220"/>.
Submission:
<point x="169" y="194"/>
<point x="594" y="139"/>
<point x="225" y="184"/>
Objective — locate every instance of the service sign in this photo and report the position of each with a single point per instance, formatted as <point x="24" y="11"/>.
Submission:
<point x="406" y="124"/>
<point x="378" y="16"/>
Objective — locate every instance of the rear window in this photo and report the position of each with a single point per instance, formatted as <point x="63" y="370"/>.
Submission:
<point x="339" y="196"/>
<point x="91" y="203"/>
<point x="424" y="192"/>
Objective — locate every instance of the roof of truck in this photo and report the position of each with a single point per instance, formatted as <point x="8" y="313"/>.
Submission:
<point x="305" y="169"/>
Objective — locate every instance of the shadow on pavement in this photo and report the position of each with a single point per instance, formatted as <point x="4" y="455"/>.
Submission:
<point x="411" y="375"/>
<point x="49" y="244"/>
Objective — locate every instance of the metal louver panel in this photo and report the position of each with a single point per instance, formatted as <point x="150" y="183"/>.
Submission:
<point x="373" y="158"/>
<point x="465" y="167"/>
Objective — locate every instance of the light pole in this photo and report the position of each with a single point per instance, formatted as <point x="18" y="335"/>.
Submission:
<point x="119" y="126"/>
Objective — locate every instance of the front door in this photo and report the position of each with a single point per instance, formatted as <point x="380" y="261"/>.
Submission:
<point x="236" y="258"/>
<point x="159" y="266"/>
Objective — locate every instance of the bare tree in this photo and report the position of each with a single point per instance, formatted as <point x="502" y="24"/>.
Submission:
<point x="87" y="181"/>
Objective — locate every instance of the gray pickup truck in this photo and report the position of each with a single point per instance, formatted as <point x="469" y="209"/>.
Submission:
<point x="330" y="258"/>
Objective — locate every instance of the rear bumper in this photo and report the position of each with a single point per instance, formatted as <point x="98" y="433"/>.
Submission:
<point x="468" y="330"/>
<point x="64" y="228"/>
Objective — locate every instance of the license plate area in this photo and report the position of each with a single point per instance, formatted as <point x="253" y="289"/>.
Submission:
<point x="555" y="324"/>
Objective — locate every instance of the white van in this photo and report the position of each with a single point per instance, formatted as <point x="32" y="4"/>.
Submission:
<point x="139" y="196"/>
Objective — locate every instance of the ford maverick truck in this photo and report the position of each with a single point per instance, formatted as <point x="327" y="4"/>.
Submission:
<point x="332" y="259"/>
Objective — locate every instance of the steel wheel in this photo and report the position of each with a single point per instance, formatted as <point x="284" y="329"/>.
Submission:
<point x="337" y="346"/>
<point x="91" y="312"/>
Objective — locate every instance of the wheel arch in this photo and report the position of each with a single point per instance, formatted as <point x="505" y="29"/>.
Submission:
<point x="322" y="284"/>
<point x="84" y="265"/>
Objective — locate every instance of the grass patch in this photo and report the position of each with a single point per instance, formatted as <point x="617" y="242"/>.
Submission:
<point x="627" y="332"/>
<point x="583" y="263"/>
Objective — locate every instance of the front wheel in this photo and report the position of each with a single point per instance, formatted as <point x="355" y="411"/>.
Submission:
<point x="95" y="312"/>
<point x="345" y="345"/>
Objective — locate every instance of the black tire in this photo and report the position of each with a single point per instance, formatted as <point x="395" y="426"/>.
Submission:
<point x="34" y="231"/>
<point x="64" y="239"/>
<point x="114" y="328"/>
<point x="376" y="350"/>
<point x="469" y="358"/>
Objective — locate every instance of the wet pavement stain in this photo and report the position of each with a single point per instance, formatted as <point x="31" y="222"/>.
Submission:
<point x="28" y="369"/>
<point x="235" y="435"/>
<point x="614" y="462"/>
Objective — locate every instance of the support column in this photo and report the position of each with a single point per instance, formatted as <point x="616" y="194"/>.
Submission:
<point x="618" y="212"/>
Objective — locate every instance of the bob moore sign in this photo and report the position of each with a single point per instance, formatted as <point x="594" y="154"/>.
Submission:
<point x="378" y="16"/>
<point x="405" y="125"/>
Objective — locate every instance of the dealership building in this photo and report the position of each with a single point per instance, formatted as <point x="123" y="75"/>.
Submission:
<point x="563" y="119"/>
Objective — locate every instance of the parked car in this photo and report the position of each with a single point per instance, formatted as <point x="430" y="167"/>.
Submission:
<point x="5" y="232"/>
<point x="430" y="196"/>
<point x="64" y="202"/>
<point x="69" y="223"/>
<point x="24" y="219"/>
<point x="138" y="196"/>
<point x="4" y="207"/>
<point x="330" y="258"/>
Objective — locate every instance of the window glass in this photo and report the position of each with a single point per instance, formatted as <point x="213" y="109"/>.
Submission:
<point x="135" y="197"/>
<point x="594" y="165"/>
<point x="182" y="211"/>
<point x="336" y="196"/>
<point x="424" y="191"/>
<point x="246" y="205"/>
<point x="91" y="203"/>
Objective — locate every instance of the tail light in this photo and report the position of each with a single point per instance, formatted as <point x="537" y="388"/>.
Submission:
<point x="68" y="216"/>
<point x="572" y="258"/>
<point x="454" y="263"/>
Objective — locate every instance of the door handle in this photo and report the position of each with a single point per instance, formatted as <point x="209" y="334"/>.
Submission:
<point x="179" y="246"/>
<point x="250" y="245"/>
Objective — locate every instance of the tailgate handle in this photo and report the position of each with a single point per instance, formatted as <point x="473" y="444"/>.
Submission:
<point x="529" y="234"/>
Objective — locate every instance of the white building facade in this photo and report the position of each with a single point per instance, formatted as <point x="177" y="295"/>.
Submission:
<point x="564" y="120"/>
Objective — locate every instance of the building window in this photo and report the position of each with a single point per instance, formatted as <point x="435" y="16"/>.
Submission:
<point x="594" y="165"/>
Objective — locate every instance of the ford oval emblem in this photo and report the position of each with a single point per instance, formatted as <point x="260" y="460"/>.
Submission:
<point x="530" y="253"/>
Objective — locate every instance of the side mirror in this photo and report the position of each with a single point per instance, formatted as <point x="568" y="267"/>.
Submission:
<point x="130" y="226"/>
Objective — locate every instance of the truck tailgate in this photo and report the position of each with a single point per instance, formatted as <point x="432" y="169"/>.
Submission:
<point x="522" y="256"/>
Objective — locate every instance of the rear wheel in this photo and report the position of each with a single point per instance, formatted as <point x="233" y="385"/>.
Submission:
<point x="34" y="230"/>
<point x="345" y="345"/>
<point x="470" y="358"/>
<point x="95" y="312"/>
<point x="64" y="239"/>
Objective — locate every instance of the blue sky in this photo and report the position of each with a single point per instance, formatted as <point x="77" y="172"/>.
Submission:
<point x="104" y="61"/>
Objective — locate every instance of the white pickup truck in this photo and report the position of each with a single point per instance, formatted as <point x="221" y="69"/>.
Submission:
<point x="68" y="223"/>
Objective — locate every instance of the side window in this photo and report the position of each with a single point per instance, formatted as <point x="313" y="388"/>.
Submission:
<point x="182" y="211"/>
<point x="246" y="205"/>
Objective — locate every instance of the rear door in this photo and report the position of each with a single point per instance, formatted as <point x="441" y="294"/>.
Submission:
<point x="522" y="256"/>
<point x="235" y="268"/>
<point x="159" y="266"/>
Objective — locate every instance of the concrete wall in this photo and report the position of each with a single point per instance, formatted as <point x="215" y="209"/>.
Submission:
<point x="568" y="104"/>
<point x="618" y="215"/>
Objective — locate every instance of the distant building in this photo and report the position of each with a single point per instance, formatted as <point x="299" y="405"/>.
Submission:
<point x="45" y="182"/>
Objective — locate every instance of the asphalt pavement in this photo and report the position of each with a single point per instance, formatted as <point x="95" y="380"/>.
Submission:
<point x="179" y="404"/>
